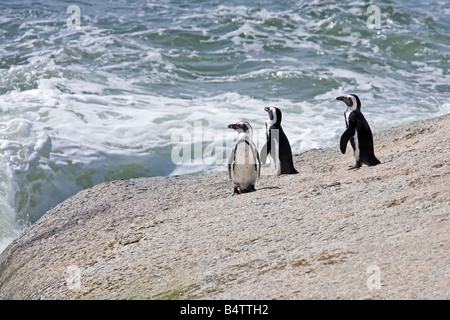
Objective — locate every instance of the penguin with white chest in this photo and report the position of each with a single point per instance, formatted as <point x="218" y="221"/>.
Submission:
<point x="244" y="166"/>
<point x="358" y="133"/>
<point x="277" y="144"/>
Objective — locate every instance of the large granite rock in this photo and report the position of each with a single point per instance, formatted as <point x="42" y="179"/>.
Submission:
<point x="378" y="232"/>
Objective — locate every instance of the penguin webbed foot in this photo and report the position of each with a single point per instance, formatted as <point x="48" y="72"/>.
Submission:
<point x="250" y="188"/>
<point x="355" y="167"/>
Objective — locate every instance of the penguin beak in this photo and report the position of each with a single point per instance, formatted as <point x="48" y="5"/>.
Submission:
<point x="347" y="100"/>
<point x="267" y="109"/>
<point x="233" y="126"/>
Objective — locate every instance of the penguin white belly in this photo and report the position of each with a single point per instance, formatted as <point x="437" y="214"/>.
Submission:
<point x="244" y="175"/>
<point x="244" y="168"/>
<point x="346" y="115"/>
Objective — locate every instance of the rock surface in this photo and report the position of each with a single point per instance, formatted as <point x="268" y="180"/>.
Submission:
<point x="326" y="233"/>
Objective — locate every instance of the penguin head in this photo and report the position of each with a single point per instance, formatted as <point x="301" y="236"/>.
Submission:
<point x="274" y="115"/>
<point x="243" y="127"/>
<point x="352" y="101"/>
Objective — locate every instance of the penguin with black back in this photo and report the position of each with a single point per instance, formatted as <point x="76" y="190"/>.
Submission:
<point x="244" y="165"/>
<point x="358" y="133"/>
<point x="277" y="144"/>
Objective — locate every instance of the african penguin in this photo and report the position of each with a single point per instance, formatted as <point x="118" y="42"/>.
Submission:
<point x="244" y="159"/>
<point x="277" y="144"/>
<point x="358" y="132"/>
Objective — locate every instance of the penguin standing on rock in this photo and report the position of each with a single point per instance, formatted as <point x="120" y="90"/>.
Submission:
<point x="358" y="132"/>
<point x="244" y="160"/>
<point x="277" y="144"/>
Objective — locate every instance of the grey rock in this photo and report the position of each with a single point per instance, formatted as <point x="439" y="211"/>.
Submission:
<point x="326" y="233"/>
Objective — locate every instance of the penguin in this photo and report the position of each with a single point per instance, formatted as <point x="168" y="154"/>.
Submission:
<point x="277" y="144"/>
<point x="244" y="160"/>
<point x="358" y="132"/>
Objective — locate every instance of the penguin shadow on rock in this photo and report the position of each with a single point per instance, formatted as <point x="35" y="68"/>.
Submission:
<point x="277" y="145"/>
<point x="358" y="133"/>
<point x="244" y="165"/>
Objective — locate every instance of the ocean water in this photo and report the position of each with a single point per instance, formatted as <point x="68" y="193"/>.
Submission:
<point x="119" y="89"/>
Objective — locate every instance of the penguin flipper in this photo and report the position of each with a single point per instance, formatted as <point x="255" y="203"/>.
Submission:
<point x="346" y="136"/>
